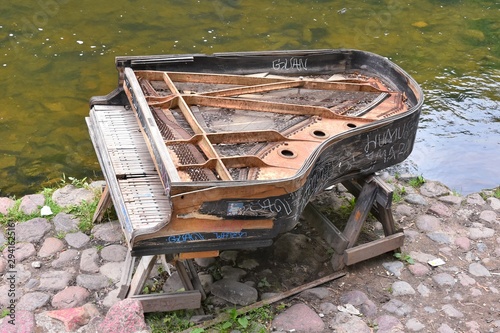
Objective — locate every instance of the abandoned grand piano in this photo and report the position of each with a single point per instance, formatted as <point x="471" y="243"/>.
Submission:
<point x="224" y="151"/>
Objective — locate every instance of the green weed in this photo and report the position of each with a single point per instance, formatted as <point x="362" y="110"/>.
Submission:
<point x="404" y="257"/>
<point x="417" y="181"/>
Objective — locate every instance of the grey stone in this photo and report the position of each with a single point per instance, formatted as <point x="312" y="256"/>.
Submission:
<point x="70" y="297"/>
<point x="114" y="253"/>
<point x="77" y="239"/>
<point x="32" y="284"/>
<point x="494" y="203"/>
<point x="33" y="301"/>
<point x="93" y="281"/>
<point x="444" y="279"/>
<point x="422" y="257"/>
<point x="463" y="243"/>
<point x="204" y="262"/>
<point x="404" y="210"/>
<point x="440" y="237"/>
<point x="416" y="199"/>
<point x="234" y="292"/>
<point x="418" y="269"/>
<point x="477" y="269"/>
<point x="475" y="199"/>
<point x="108" y="232"/>
<point x="206" y="281"/>
<point x="488" y="216"/>
<point x="64" y="222"/>
<point x="440" y="210"/>
<point x="112" y="270"/>
<point x="389" y="324"/>
<point x="33" y="230"/>
<point x="450" y="311"/>
<point x="345" y="323"/>
<point x="70" y="195"/>
<point x="393" y="267"/>
<point x="354" y="297"/>
<point x="451" y="199"/>
<point x="466" y="280"/>
<point x="173" y="283"/>
<point x="50" y="247"/>
<point x="481" y="247"/>
<point x="289" y="248"/>
<point x="327" y="308"/>
<point x="22" y="251"/>
<point x="298" y="317"/>
<point x="6" y="204"/>
<point x="3" y="265"/>
<point x="54" y="280"/>
<point x="413" y="324"/>
<point x="428" y="223"/>
<point x="397" y="307"/>
<point x="65" y="258"/>
<point x="4" y="295"/>
<point x="315" y="293"/>
<point x="432" y="189"/>
<point x="30" y="203"/>
<point x="401" y="288"/>
<point x="23" y="274"/>
<point x="45" y="323"/>
<point x="25" y="322"/>
<point x="248" y="264"/>
<point x="232" y="273"/>
<point x="111" y="298"/>
<point x="89" y="261"/>
<point x="444" y="328"/>
<point x="481" y="233"/>
<point x="368" y="309"/>
<point x="229" y="256"/>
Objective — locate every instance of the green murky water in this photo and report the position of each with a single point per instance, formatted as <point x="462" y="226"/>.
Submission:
<point x="56" y="54"/>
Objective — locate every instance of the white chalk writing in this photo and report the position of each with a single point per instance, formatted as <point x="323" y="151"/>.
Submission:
<point x="286" y="64"/>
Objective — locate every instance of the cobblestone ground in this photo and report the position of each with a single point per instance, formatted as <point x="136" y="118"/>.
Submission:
<point x="66" y="280"/>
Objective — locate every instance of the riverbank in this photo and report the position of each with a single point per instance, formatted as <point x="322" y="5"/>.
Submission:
<point x="62" y="275"/>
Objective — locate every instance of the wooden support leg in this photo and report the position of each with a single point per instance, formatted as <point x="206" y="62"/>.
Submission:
<point x="187" y="275"/>
<point x="358" y="216"/>
<point x="104" y="203"/>
<point x="126" y="278"/>
<point x="141" y="274"/>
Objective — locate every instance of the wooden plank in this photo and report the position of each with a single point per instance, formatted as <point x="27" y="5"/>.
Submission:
<point x="193" y="255"/>
<point x="330" y="233"/>
<point x="126" y="277"/>
<point x="104" y="203"/>
<point x="225" y="316"/>
<point x="141" y="274"/>
<point x="373" y="248"/>
<point x="170" y="301"/>
<point x="358" y="216"/>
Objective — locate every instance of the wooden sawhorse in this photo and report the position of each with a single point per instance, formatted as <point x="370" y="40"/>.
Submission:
<point x="373" y="195"/>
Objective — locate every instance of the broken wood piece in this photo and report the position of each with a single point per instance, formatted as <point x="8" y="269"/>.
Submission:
<point x="225" y="316"/>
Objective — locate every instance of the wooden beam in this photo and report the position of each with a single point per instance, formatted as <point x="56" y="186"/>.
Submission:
<point x="329" y="232"/>
<point x="358" y="216"/>
<point x="141" y="274"/>
<point x="104" y="203"/>
<point x="225" y="316"/>
<point x="170" y="301"/>
<point x="373" y="248"/>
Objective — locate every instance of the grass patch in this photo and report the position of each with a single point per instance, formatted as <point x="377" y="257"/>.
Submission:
<point x="84" y="211"/>
<point x="496" y="193"/>
<point x="175" y="321"/>
<point x="417" y="181"/>
<point x="255" y="321"/>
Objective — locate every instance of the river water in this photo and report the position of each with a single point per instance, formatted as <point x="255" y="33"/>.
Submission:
<point x="56" y="54"/>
